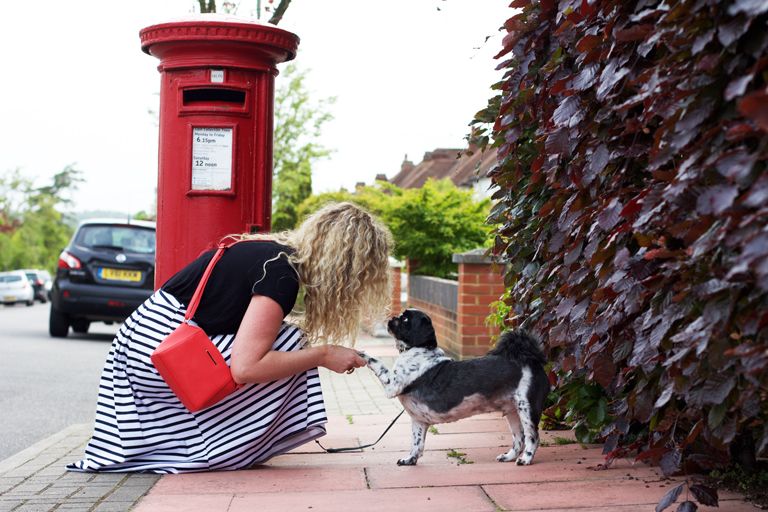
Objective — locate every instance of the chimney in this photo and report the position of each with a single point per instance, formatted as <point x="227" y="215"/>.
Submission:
<point x="381" y="177"/>
<point x="407" y="166"/>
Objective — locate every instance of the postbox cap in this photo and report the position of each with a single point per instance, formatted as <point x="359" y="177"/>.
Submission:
<point x="280" y="45"/>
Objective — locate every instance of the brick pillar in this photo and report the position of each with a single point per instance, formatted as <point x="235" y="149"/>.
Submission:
<point x="396" y="268"/>
<point x="481" y="282"/>
<point x="411" y="266"/>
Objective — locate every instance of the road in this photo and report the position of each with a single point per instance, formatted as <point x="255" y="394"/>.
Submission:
<point x="46" y="384"/>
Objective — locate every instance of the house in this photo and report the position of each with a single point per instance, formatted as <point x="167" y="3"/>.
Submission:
<point x="465" y="170"/>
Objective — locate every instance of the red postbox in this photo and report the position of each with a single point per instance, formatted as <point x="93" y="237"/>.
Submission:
<point x="216" y="127"/>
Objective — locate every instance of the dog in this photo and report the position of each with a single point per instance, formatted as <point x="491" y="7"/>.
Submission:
<point x="434" y="388"/>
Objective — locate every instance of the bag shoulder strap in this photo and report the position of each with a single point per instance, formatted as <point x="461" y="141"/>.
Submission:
<point x="193" y="303"/>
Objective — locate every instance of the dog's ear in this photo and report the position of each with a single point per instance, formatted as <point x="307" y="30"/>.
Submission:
<point x="425" y="329"/>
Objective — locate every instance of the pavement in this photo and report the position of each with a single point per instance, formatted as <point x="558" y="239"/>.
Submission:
<point x="457" y="472"/>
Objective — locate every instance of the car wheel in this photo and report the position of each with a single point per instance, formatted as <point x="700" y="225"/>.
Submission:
<point x="31" y="302"/>
<point x="80" y="325"/>
<point x="58" y="324"/>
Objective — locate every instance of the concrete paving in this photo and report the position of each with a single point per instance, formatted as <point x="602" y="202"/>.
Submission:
<point x="458" y="470"/>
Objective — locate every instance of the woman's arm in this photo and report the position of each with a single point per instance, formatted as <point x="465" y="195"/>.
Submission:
<point x="253" y="359"/>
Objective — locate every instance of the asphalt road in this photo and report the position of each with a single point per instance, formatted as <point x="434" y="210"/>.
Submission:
<point x="46" y="384"/>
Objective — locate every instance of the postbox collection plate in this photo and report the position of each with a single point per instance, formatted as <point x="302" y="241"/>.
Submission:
<point x="212" y="158"/>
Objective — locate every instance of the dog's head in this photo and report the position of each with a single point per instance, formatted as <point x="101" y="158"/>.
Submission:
<point x="412" y="329"/>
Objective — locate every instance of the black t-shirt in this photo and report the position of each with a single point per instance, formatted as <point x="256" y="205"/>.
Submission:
<point x="238" y="275"/>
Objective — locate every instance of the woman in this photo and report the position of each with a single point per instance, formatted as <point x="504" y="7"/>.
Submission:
<point x="338" y="257"/>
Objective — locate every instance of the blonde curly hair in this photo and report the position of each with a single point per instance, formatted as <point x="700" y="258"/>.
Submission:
<point x="341" y="254"/>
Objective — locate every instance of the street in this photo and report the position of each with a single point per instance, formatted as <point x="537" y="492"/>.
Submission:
<point x="46" y="384"/>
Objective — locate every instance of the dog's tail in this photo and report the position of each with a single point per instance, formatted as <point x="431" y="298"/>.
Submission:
<point x="519" y="346"/>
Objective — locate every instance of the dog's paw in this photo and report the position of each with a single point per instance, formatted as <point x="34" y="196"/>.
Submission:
<point x="410" y="461"/>
<point x="505" y="457"/>
<point x="368" y="359"/>
<point x="525" y="459"/>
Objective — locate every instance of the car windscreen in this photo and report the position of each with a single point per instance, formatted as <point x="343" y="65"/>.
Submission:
<point x="120" y="238"/>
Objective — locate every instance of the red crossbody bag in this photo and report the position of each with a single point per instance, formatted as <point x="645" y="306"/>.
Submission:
<point x="188" y="360"/>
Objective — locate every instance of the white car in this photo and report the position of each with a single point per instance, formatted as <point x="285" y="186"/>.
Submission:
<point x="15" y="287"/>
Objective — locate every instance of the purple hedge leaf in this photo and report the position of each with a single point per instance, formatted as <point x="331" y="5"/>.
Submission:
<point x="687" y="506"/>
<point x="670" y="497"/>
<point x="705" y="495"/>
<point x="716" y="199"/>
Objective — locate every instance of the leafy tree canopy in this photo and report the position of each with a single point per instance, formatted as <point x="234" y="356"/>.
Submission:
<point x="32" y="228"/>
<point x="429" y="224"/>
<point x="298" y="123"/>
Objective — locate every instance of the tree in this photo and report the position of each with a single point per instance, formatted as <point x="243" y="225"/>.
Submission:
<point x="430" y="224"/>
<point x="209" y="6"/>
<point x="32" y="228"/>
<point x="298" y="122"/>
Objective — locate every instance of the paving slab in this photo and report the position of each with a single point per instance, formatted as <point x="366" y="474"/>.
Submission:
<point x="36" y="479"/>
<point x="422" y="500"/>
<point x="263" y="479"/>
<point x="594" y="495"/>
<point x="187" y="503"/>
<point x="493" y="473"/>
<point x="567" y="455"/>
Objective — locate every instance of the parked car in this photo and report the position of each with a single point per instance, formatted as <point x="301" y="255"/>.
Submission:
<point x="106" y="271"/>
<point x="41" y="283"/>
<point x="15" y="287"/>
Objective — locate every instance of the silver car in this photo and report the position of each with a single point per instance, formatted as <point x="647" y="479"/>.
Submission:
<point x="15" y="287"/>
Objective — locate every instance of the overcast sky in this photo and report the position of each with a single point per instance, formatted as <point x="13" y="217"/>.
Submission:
<point x="408" y="76"/>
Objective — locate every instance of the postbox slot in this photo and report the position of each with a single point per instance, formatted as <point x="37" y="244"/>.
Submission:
<point x="214" y="96"/>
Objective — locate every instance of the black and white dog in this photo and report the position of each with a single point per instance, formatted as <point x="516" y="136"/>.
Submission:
<point x="434" y="388"/>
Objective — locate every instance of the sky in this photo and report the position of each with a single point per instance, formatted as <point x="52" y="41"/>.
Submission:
<point x="407" y="75"/>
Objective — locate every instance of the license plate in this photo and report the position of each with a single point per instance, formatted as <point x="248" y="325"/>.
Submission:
<point x="9" y="298"/>
<point x="116" y="274"/>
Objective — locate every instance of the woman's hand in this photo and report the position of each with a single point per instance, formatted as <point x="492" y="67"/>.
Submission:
<point x="254" y="361"/>
<point x="340" y="359"/>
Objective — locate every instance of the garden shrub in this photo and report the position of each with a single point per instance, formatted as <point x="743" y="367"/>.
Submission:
<point x="632" y="204"/>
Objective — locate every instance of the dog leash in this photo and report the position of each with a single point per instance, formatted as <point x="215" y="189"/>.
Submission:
<point x="351" y="448"/>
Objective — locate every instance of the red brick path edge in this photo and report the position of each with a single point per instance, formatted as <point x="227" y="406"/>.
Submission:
<point x="458" y="472"/>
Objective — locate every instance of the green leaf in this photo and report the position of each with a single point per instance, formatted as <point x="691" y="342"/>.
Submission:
<point x="716" y="415"/>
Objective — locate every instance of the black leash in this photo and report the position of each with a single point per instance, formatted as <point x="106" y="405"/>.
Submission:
<point x="351" y="448"/>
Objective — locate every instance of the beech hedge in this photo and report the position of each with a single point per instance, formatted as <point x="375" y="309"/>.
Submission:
<point x="632" y="205"/>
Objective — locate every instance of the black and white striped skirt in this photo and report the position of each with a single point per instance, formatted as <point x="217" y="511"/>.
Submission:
<point x="141" y="426"/>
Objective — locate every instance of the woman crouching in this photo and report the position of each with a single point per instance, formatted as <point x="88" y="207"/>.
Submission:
<point x="338" y="258"/>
